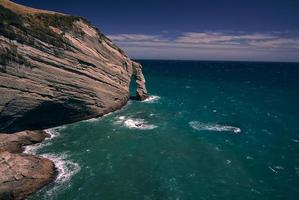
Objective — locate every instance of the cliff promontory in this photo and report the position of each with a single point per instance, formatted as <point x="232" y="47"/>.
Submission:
<point x="54" y="69"/>
<point x="57" y="69"/>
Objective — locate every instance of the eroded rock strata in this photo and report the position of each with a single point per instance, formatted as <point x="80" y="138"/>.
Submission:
<point x="57" y="69"/>
<point x="54" y="69"/>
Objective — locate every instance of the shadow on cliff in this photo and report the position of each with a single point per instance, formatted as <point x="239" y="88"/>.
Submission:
<point x="48" y="114"/>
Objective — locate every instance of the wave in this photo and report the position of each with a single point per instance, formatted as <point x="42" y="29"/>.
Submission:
<point x="135" y="123"/>
<point x="152" y="99"/>
<point x="199" y="126"/>
<point x="53" y="133"/>
<point x="138" y="124"/>
<point x="92" y="120"/>
<point x="64" y="166"/>
<point x="66" y="169"/>
<point x="33" y="149"/>
<point x="97" y="118"/>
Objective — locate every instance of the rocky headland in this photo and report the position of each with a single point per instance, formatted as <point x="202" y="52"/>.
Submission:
<point x="58" y="69"/>
<point x="54" y="69"/>
<point x="22" y="174"/>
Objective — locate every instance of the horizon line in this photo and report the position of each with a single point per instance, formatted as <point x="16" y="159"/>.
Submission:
<point x="203" y="60"/>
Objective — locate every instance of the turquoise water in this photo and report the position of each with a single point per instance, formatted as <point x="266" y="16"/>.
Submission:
<point x="211" y="130"/>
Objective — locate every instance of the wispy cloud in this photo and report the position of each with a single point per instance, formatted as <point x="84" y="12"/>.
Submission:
<point x="136" y="37"/>
<point x="221" y="38"/>
<point x="229" y="44"/>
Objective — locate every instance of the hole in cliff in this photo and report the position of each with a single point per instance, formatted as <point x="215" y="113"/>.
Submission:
<point x="133" y="88"/>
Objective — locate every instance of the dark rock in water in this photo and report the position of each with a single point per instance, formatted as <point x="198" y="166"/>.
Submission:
<point x="14" y="143"/>
<point x="21" y="175"/>
<point x="57" y="69"/>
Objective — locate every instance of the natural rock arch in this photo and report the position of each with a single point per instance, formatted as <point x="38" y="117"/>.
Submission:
<point x="137" y="76"/>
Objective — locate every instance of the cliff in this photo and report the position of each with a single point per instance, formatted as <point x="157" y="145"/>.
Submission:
<point x="54" y="69"/>
<point x="57" y="69"/>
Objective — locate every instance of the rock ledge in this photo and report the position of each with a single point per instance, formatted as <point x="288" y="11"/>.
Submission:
<point x="22" y="174"/>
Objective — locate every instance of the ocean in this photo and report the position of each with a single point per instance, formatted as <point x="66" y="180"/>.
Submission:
<point x="210" y="130"/>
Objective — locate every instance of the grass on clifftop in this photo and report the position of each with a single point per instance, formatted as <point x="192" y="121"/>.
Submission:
<point x="8" y="17"/>
<point x="20" y="27"/>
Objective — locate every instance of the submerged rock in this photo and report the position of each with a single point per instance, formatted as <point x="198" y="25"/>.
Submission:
<point x="57" y="69"/>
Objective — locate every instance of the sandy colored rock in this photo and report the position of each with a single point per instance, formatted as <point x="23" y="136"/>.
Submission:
<point x="57" y="69"/>
<point x="21" y="175"/>
<point x="141" y="93"/>
<point x="14" y="143"/>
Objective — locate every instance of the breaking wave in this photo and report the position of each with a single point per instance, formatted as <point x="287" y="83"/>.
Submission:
<point x="152" y="99"/>
<point x="135" y="123"/>
<point x="199" y="126"/>
<point x="64" y="166"/>
<point x="33" y="149"/>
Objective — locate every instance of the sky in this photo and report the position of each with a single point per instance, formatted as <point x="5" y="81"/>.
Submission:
<point x="250" y="30"/>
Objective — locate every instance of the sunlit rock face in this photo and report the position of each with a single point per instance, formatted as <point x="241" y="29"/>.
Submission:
<point x="141" y="92"/>
<point x="57" y="69"/>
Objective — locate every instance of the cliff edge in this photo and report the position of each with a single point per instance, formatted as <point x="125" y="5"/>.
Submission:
<point x="57" y="69"/>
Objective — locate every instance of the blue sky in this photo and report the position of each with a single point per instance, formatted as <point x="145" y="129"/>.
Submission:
<point x="256" y="30"/>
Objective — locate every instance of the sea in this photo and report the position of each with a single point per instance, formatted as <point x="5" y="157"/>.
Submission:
<point x="210" y="130"/>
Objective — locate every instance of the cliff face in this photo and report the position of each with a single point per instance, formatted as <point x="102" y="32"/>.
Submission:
<point x="57" y="69"/>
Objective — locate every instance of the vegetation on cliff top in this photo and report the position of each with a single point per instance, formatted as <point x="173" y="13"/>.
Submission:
<point x="21" y="27"/>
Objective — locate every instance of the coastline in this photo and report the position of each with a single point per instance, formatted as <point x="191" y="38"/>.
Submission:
<point x="23" y="174"/>
<point x="81" y="87"/>
<point x="17" y="145"/>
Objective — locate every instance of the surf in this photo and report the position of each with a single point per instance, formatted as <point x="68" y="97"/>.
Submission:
<point x="134" y="123"/>
<point x="200" y="126"/>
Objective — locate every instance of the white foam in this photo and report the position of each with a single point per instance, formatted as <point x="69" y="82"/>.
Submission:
<point x="273" y="170"/>
<point x="120" y="120"/>
<point x="152" y="99"/>
<point x="279" y="167"/>
<point x="65" y="167"/>
<point x="199" y="126"/>
<point x="32" y="149"/>
<point x="134" y="123"/>
<point x="53" y="133"/>
<point x="121" y="117"/>
<point x="92" y="120"/>
<point x="138" y="124"/>
<point x="97" y="118"/>
<point x="295" y="140"/>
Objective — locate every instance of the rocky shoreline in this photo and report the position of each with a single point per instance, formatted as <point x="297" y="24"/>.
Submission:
<point x="55" y="69"/>
<point x="22" y="174"/>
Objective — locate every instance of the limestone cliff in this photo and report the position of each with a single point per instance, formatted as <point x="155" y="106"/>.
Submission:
<point x="57" y="68"/>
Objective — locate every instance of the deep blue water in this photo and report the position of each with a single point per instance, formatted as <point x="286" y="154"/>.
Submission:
<point x="212" y="130"/>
